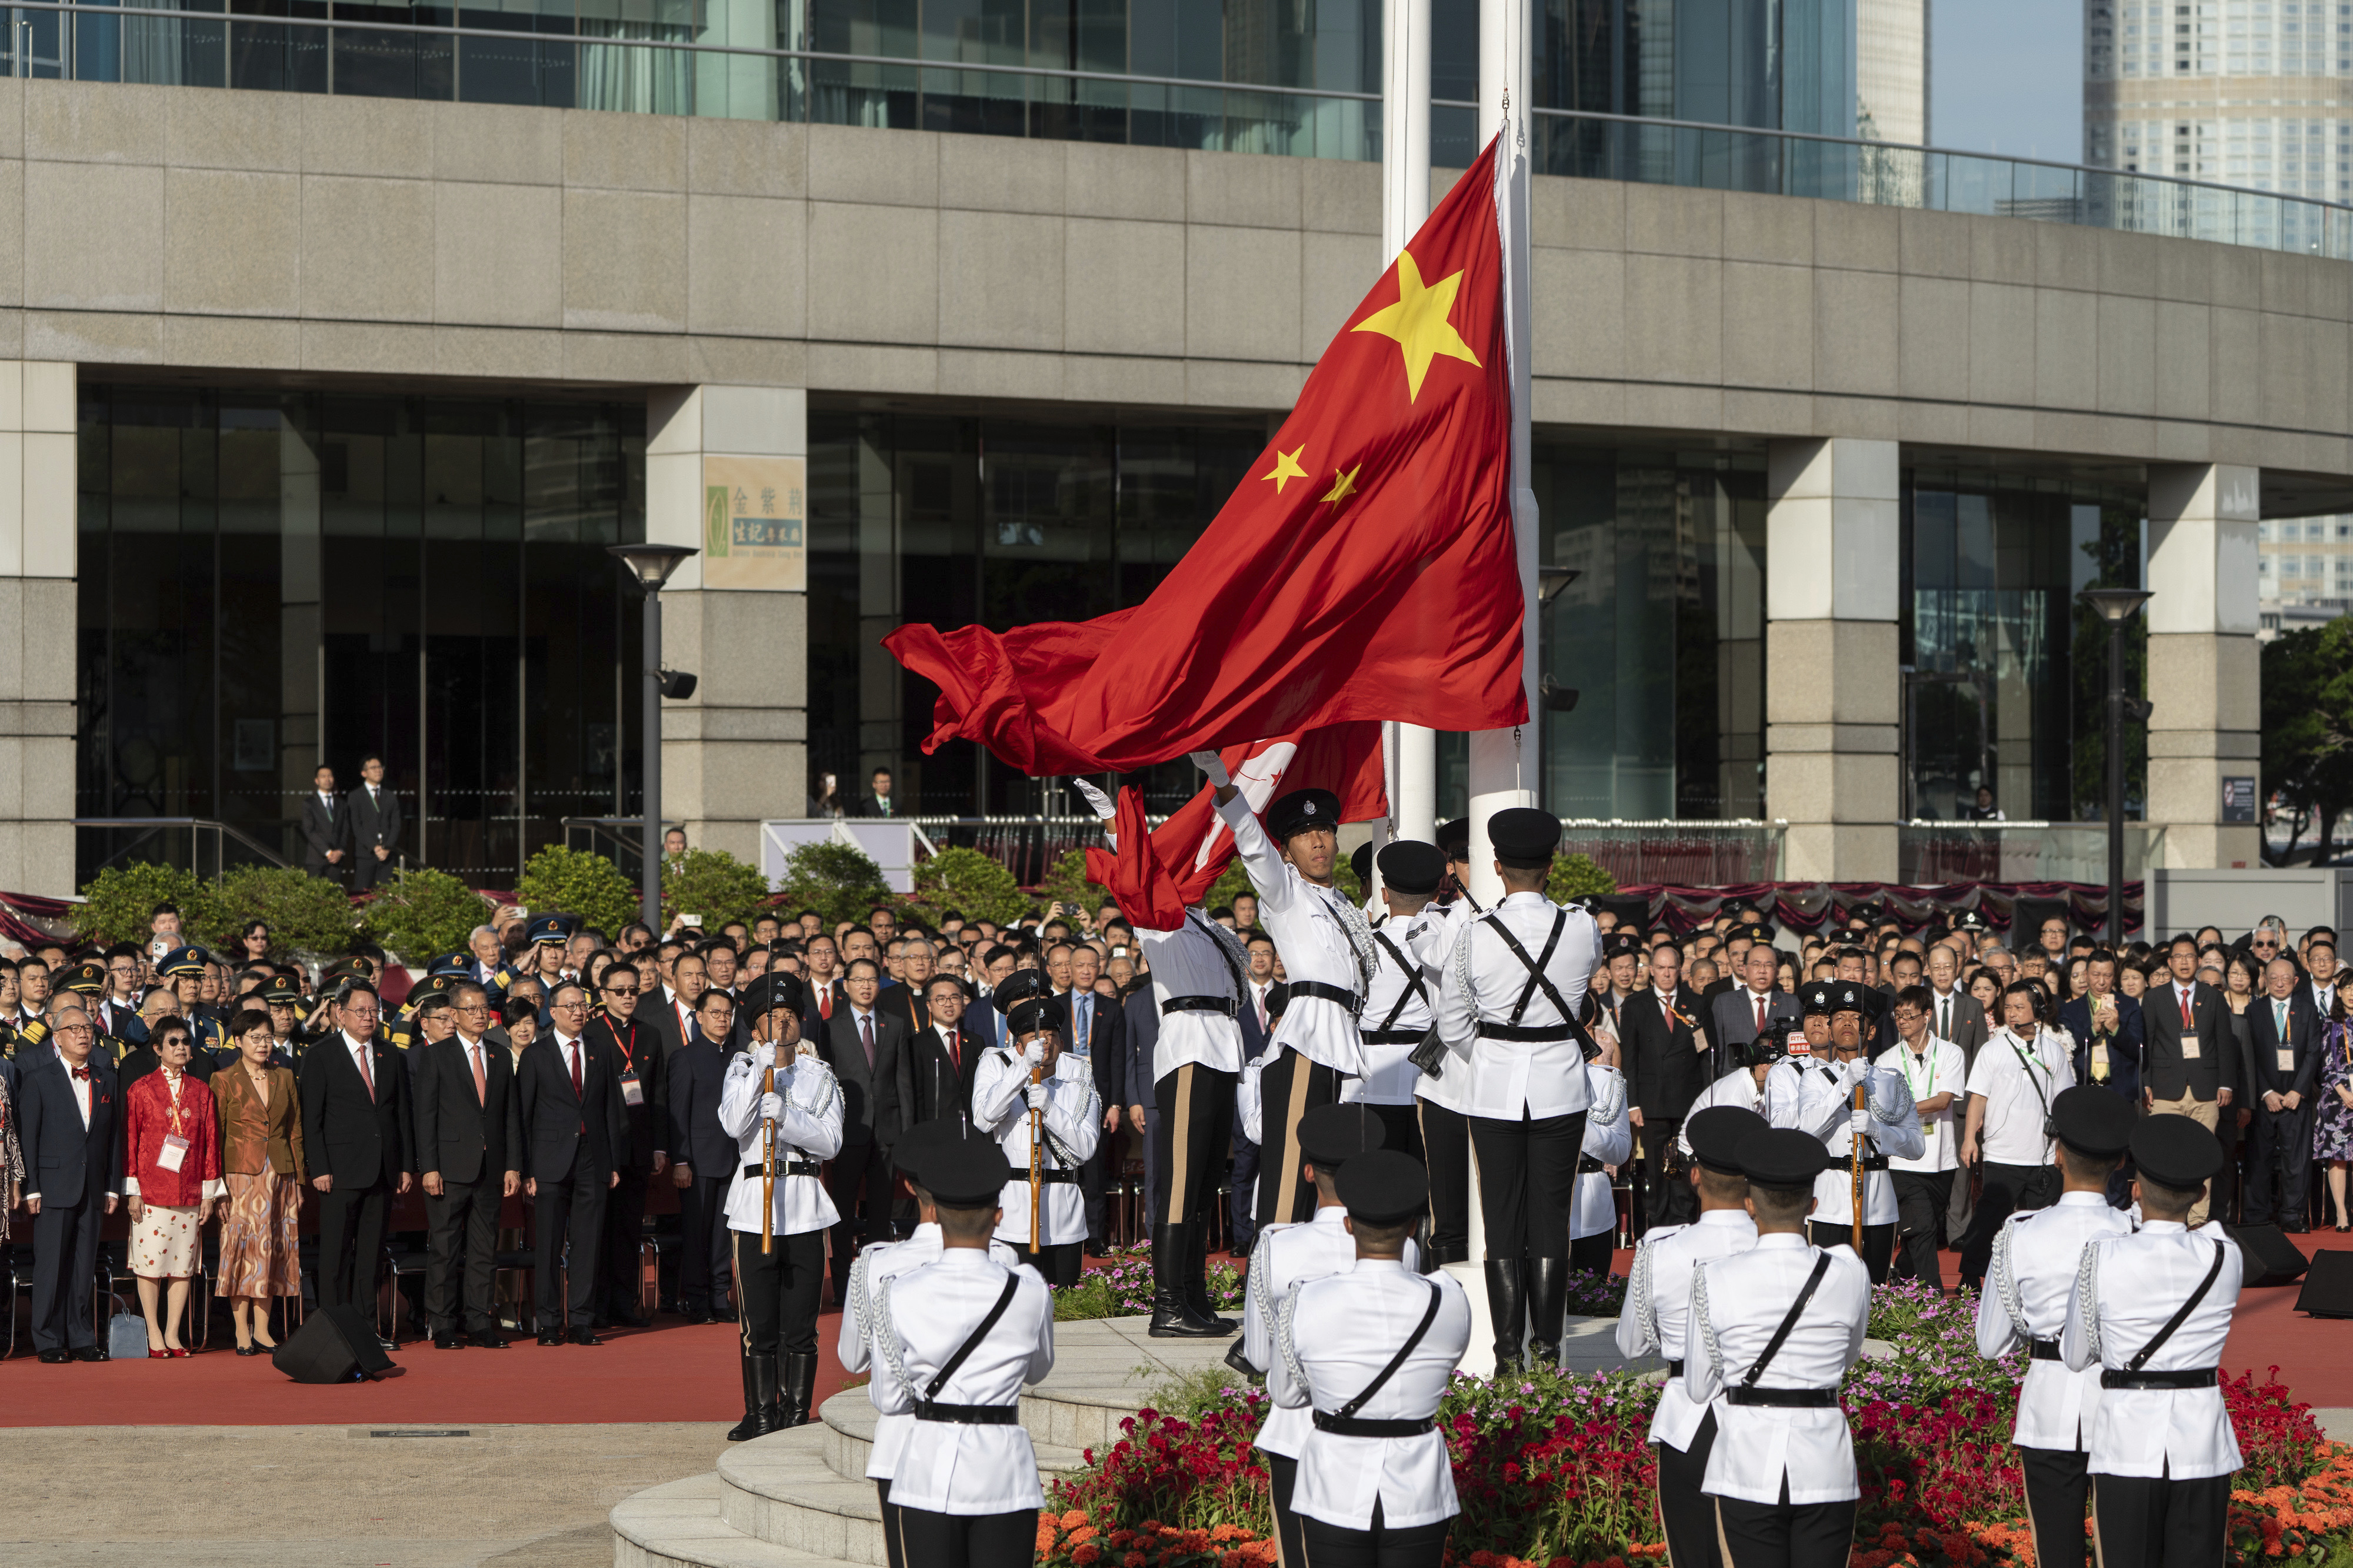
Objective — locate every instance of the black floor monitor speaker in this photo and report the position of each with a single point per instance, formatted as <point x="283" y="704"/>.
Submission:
<point x="335" y="1345"/>
<point x="2328" y="1289"/>
<point x="2272" y="1257"/>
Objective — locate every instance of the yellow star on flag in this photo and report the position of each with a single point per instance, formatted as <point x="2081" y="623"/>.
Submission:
<point x="1418" y="323"/>
<point x="1286" y="467"/>
<point x="1344" y="485"/>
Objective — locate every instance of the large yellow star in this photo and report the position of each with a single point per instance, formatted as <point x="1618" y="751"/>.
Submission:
<point x="1344" y="485"/>
<point x="1286" y="467"/>
<point x="1418" y="322"/>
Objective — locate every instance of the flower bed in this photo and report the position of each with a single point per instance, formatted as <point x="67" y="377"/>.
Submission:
<point x="1121" y="1287"/>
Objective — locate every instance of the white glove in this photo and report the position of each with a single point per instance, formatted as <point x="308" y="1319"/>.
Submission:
<point x="1096" y="798"/>
<point x="1035" y="1093"/>
<point x="1214" y="766"/>
<point x="1858" y="1122"/>
<point x="1034" y="1053"/>
<point x="772" y="1107"/>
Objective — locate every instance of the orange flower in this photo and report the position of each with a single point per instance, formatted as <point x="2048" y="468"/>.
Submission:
<point x="1085" y="1556"/>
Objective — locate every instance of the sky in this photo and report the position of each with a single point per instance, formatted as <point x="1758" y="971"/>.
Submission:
<point x="2007" y="76"/>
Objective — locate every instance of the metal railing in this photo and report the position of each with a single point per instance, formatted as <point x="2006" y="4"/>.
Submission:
<point x="197" y="844"/>
<point x="1026" y="845"/>
<point x="1679" y="853"/>
<point x="1932" y="853"/>
<point x="620" y="839"/>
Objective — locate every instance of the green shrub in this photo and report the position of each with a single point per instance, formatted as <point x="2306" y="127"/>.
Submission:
<point x="421" y="914"/>
<point x="122" y="899"/>
<point x="1066" y="880"/>
<point x="565" y="881"/>
<point x="1577" y="877"/>
<point x="969" y="882"/>
<point x="837" y="880"/>
<point x="306" y="914"/>
<point x="712" y="884"/>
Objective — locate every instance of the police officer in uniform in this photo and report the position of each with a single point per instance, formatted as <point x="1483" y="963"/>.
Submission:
<point x="776" y="1290"/>
<point x="1371" y="1350"/>
<point x="1818" y="1101"/>
<point x="1070" y="1114"/>
<point x="182" y="972"/>
<point x="2028" y="1285"/>
<point x="1438" y="1095"/>
<point x="1398" y="1008"/>
<point x="1507" y="1011"/>
<point x="2151" y="1311"/>
<point x="1656" y="1316"/>
<point x="1773" y="1331"/>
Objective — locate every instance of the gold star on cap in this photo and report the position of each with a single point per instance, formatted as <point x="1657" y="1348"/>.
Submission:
<point x="1418" y="323"/>
<point x="1286" y="467"/>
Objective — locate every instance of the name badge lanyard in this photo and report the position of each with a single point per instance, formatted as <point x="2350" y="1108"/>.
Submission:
<point x="1927" y="1130"/>
<point x="176" y="1145"/>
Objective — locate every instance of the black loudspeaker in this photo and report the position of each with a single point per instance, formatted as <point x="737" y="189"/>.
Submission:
<point x="2328" y="1289"/>
<point x="335" y="1345"/>
<point x="2271" y="1258"/>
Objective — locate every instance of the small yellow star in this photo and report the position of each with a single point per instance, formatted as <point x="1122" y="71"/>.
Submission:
<point x="1418" y="323"/>
<point x="1344" y="485"/>
<point x="1286" y="467"/>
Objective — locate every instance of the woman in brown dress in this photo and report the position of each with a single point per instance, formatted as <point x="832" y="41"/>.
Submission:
<point x="261" y="1161"/>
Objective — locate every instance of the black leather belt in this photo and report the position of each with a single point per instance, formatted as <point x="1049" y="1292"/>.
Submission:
<point x="1394" y="1037"/>
<point x="1785" y="1398"/>
<point x="2202" y="1377"/>
<point x="1674" y="1369"/>
<point x="1359" y="1427"/>
<point x="789" y="1168"/>
<point x="1223" y="1007"/>
<point x="1531" y="1032"/>
<point x="1586" y="1165"/>
<point x="968" y="1415"/>
<point x="1049" y="1177"/>
<point x="1871" y="1163"/>
<point x="1340" y="993"/>
<point x="2044" y="1349"/>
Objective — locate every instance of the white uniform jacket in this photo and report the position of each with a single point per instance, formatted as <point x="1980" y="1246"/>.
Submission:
<point x="923" y="1316"/>
<point x="809" y="1134"/>
<point x="2126" y="1288"/>
<point x="1199" y="958"/>
<point x="1249" y="1107"/>
<point x="1610" y="1139"/>
<point x="1482" y="983"/>
<point x="1937" y="1068"/>
<point x="1286" y="1256"/>
<point x="1818" y="1098"/>
<point x="1323" y="938"/>
<point x="1333" y="1337"/>
<point x="1736" y="1089"/>
<point x="1433" y="945"/>
<point x="886" y="1260"/>
<point x="1400" y="1004"/>
<point x="1737" y="1304"/>
<point x="2036" y="1257"/>
<point x="1073" y="1118"/>
<point x="1657" y="1311"/>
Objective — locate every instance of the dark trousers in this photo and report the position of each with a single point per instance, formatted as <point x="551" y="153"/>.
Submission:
<point x="1921" y="1197"/>
<point x="1192" y="1122"/>
<point x="1401" y="1129"/>
<point x="351" y="1244"/>
<point x="461" y="1228"/>
<point x="706" y="1246"/>
<point x="622" y="1256"/>
<point x="65" y="1266"/>
<point x="1783" y="1534"/>
<point x="1283" y="1479"/>
<point x="2057" y="1484"/>
<point x="1878" y="1247"/>
<point x="778" y="1291"/>
<point x="2279" y="1166"/>
<point x="860" y="1180"/>
<point x="1058" y="1264"/>
<point x="1147" y="1143"/>
<point x="2003" y="1190"/>
<point x="367" y="870"/>
<point x="1091" y="1186"/>
<point x="1527" y="1179"/>
<point x="2148" y="1522"/>
<point x="1684" y="1515"/>
<point x="1337" y="1546"/>
<point x="1241" y="1199"/>
<point x="968" y="1539"/>
<point x="1671" y="1200"/>
<point x="568" y="1219"/>
<point x="890" y="1557"/>
<point x="1594" y="1254"/>
<point x="1289" y="1087"/>
<point x="1446" y="1149"/>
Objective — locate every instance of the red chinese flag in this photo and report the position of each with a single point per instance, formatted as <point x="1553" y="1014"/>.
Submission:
<point x="1365" y="570"/>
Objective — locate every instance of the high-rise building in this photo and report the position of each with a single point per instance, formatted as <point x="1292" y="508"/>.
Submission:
<point x="1891" y="71"/>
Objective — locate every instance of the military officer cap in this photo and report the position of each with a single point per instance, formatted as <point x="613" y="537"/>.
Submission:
<point x="1971" y="920"/>
<point x="1412" y="866"/>
<point x="1814" y="996"/>
<point x="425" y="990"/>
<point x="1361" y="863"/>
<point x="433" y="1002"/>
<point x="1783" y="1157"/>
<point x="1028" y="1001"/>
<point x="2174" y="1152"/>
<point x="451" y="966"/>
<point x="1846" y="996"/>
<point x="1332" y="1135"/>
<point x="1454" y="839"/>
<point x="1716" y="1136"/>
<point x="2093" y="1122"/>
<point x="1524" y="838"/>
<point x="965" y="1172"/>
<point x="88" y="978"/>
<point x="773" y="992"/>
<point x="1756" y="931"/>
<point x="1301" y="810"/>
<point x="182" y="961"/>
<point x="1618" y="941"/>
<point x="1384" y="1188"/>
<point x="549" y="928"/>
<point x="281" y="993"/>
<point x="1735" y="907"/>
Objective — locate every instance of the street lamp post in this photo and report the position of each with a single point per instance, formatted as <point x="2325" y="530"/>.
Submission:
<point x="2116" y="607"/>
<point x="651" y="565"/>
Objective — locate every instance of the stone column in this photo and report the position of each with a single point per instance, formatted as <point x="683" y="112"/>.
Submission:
<point x="1832" y="692"/>
<point x="2204" y="672"/>
<point x="726" y="471"/>
<point x="40" y="617"/>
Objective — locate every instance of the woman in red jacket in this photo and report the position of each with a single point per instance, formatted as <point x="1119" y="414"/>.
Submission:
<point x="171" y="1174"/>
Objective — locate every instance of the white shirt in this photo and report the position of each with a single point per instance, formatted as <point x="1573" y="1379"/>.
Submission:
<point x="1737" y="1304"/>
<point x="1286" y="1256"/>
<point x="1817" y="1098"/>
<point x="1657" y="1308"/>
<point x="1323" y="938"/>
<point x="1937" y="1068"/>
<point x="2019" y="1080"/>
<point x="1073" y="1118"/>
<point x="1390" y="1076"/>
<point x="575" y="1060"/>
<point x="809" y="1132"/>
<point x="923" y="1317"/>
<point x="1333" y="1337"/>
<point x="1482" y="984"/>
<point x="1191" y="961"/>
<point x="882" y="1261"/>
<point x="1608" y="1138"/>
<point x="2125" y="1289"/>
<point x="2036" y="1258"/>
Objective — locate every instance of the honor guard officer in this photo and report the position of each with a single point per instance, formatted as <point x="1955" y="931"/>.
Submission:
<point x="1508" y="1010"/>
<point x="1287" y="1255"/>
<point x="794" y="1127"/>
<point x="1439" y="1092"/>
<point x="1818" y="1101"/>
<point x="958" y="1338"/>
<point x="1328" y="958"/>
<point x="1773" y="1331"/>
<point x="1609" y="1142"/>
<point x="1372" y="1348"/>
<point x="183" y="971"/>
<point x="1196" y="969"/>
<point x="1398" y="1006"/>
<point x="287" y="1036"/>
<point x="1063" y="1103"/>
<point x="2028" y="1285"/>
<point x="1656" y="1316"/>
<point x="89" y="982"/>
<point x="2151" y="1311"/>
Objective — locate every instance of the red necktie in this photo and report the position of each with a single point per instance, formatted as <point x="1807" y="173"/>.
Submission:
<point x="368" y="1073"/>
<point x="865" y="1034"/>
<point x="955" y="1054"/>
<point x="1760" y="1015"/>
<point x="2181" y="993"/>
<point x="82" y="1073"/>
<point x="481" y="1084"/>
<point x="574" y="1052"/>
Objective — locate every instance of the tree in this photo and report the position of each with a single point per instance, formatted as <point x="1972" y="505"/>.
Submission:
<point x="714" y="885"/>
<point x="1066" y="881"/>
<point x="121" y="899"/>
<point x="422" y="912"/>
<point x="1577" y="877"/>
<point x="968" y="881"/>
<point x="837" y="880"/>
<point x="2307" y="730"/>
<point x="306" y="914"/>
<point x="565" y="881"/>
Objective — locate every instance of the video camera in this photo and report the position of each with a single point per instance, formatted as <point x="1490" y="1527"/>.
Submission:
<point x="1773" y="1044"/>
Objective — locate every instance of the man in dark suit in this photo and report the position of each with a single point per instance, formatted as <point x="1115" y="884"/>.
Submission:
<point x="69" y="1116"/>
<point x="2190" y="1055"/>
<point x="1667" y="1053"/>
<point x="878" y="800"/>
<point x="1736" y="1013"/>
<point x="2104" y="1018"/>
<point x="356" y="1138"/>
<point x="1257" y="1027"/>
<point x="470" y="1141"/>
<point x="2283" y="1082"/>
<point x="1098" y="1034"/>
<point x="575" y="1131"/>
<point x="1143" y="1035"/>
<point x="325" y="843"/>
<point x="1953" y="1014"/>
<point x="863" y="1046"/>
<point x="372" y="823"/>
<point x="702" y="1157"/>
<point x="642" y="1057"/>
<point x="936" y="1068"/>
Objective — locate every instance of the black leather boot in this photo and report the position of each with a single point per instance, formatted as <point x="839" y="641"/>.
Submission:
<point x="755" y="1409"/>
<point x="799" y="1388"/>
<point x="1548" y="1304"/>
<point x="1507" y="1308"/>
<point x="1197" y="1277"/>
<point x="1172" y="1317"/>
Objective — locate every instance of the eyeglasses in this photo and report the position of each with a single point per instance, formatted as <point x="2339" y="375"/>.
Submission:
<point x="574" y="1006"/>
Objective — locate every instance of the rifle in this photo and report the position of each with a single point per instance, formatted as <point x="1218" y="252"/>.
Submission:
<point x="1855" y="1141"/>
<point x="768" y="1166"/>
<point x="1037" y="1168"/>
